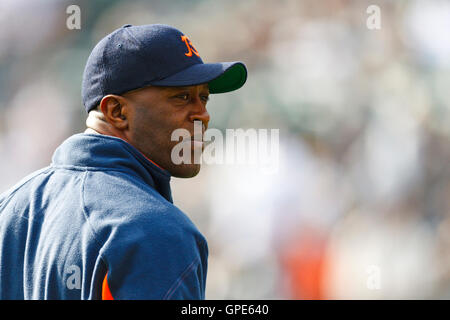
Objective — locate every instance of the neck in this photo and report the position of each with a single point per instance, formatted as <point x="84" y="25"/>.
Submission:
<point x="96" y="123"/>
<point x="89" y="130"/>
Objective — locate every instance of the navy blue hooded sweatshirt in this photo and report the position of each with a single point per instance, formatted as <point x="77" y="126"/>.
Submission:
<point x="98" y="223"/>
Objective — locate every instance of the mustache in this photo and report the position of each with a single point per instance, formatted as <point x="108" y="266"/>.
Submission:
<point x="190" y="134"/>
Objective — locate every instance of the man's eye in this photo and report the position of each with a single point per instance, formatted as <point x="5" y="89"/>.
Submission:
<point x="183" y="96"/>
<point x="186" y="97"/>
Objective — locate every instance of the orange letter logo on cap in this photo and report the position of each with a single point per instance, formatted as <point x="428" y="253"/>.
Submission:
<point x="189" y="46"/>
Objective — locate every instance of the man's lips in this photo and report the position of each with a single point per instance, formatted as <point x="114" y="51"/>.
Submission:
<point x="197" y="144"/>
<point x="194" y="142"/>
<point x="197" y="139"/>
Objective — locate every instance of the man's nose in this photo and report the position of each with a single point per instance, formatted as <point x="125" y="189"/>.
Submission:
<point x="200" y="113"/>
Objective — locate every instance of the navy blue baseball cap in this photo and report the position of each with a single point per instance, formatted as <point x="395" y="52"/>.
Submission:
<point x="134" y="57"/>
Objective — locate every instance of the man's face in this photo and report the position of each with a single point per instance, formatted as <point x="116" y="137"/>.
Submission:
<point x="155" y="112"/>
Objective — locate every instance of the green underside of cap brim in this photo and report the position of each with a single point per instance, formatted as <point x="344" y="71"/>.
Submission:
<point x="230" y="80"/>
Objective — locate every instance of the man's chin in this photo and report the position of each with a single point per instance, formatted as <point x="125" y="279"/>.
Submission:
<point x="185" y="170"/>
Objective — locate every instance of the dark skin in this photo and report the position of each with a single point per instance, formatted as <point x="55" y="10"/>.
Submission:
<point x="146" y="118"/>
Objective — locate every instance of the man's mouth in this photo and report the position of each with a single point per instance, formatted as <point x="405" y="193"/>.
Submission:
<point x="197" y="138"/>
<point x="197" y="143"/>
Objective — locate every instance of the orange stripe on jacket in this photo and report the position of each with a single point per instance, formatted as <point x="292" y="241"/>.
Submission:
<point x="106" y="293"/>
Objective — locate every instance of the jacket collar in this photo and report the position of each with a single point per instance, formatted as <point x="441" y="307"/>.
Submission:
<point x="97" y="151"/>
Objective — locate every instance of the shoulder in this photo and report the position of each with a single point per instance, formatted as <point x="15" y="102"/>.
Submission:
<point x="127" y="210"/>
<point x="27" y="182"/>
<point x="108" y="194"/>
<point x="150" y="247"/>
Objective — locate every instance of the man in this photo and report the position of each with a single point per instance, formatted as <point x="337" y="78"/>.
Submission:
<point x="99" y="222"/>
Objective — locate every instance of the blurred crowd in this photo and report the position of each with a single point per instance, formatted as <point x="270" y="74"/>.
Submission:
<point x="360" y="205"/>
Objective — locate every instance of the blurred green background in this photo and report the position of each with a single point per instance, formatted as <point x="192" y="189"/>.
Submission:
<point x="359" y="208"/>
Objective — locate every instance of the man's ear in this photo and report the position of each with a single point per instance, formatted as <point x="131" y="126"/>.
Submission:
<point x="115" y="111"/>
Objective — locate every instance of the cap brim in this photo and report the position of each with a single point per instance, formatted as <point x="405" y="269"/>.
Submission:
<point x="221" y="77"/>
